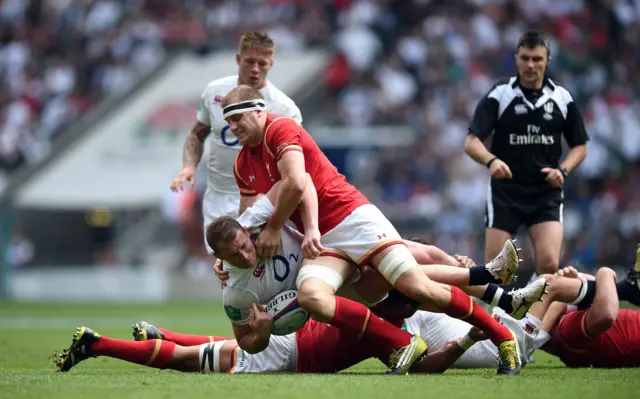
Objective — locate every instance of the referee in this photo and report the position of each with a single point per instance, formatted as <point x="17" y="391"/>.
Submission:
<point x="527" y="116"/>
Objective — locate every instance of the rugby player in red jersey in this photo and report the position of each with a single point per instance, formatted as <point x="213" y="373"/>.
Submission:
<point x="350" y="228"/>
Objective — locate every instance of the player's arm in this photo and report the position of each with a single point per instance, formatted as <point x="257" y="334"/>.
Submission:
<point x="246" y="202"/>
<point x="480" y="128"/>
<point x="252" y="334"/>
<point x="576" y="136"/>
<point x="293" y="183"/>
<point x="248" y="196"/>
<point x="604" y="310"/>
<point x="440" y="360"/>
<point x="194" y="144"/>
<point x="249" y="340"/>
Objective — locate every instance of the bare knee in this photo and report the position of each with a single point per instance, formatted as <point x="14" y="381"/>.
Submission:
<point x="181" y="359"/>
<point x="317" y="298"/>
<point x="547" y="265"/>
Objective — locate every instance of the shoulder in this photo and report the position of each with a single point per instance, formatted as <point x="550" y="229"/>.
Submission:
<point x="561" y="93"/>
<point x="500" y="87"/>
<point x="222" y="86"/>
<point x="280" y="103"/>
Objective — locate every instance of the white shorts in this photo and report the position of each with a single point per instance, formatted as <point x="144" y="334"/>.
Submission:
<point x="361" y="235"/>
<point x="214" y="205"/>
<point x="280" y="356"/>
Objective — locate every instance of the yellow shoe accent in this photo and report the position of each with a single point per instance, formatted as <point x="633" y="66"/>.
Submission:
<point x="402" y="359"/>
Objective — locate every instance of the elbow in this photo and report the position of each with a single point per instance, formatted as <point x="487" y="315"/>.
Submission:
<point x="296" y="185"/>
<point x="470" y="142"/>
<point x="252" y="349"/>
<point x="601" y="322"/>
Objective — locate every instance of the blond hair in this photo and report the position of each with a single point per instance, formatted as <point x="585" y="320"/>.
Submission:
<point x="256" y="40"/>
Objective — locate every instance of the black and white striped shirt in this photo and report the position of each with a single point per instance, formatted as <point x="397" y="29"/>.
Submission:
<point x="527" y="126"/>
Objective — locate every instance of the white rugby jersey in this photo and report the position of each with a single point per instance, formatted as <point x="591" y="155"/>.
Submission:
<point x="270" y="276"/>
<point x="436" y="329"/>
<point x="224" y="145"/>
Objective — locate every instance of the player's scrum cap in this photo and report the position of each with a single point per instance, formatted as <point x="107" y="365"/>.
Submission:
<point x="244" y="106"/>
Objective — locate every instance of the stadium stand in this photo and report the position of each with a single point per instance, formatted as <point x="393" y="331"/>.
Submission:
<point x="427" y="73"/>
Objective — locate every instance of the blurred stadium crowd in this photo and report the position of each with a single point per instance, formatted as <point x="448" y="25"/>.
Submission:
<point x="422" y="63"/>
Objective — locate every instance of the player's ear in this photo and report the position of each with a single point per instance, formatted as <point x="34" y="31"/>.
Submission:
<point x="238" y="58"/>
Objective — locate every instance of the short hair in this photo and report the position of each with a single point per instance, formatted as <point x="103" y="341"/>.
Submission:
<point x="222" y="231"/>
<point x="256" y="40"/>
<point x="418" y="240"/>
<point x="240" y="94"/>
<point x="533" y="39"/>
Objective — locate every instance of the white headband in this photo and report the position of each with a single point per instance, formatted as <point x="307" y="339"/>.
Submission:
<point x="244" y="106"/>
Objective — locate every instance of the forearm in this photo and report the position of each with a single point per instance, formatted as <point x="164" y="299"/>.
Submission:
<point x="194" y="145"/>
<point x="476" y="149"/>
<point x="439" y="361"/>
<point x="289" y="197"/>
<point x="309" y="206"/>
<point x="253" y="343"/>
<point x="574" y="157"/>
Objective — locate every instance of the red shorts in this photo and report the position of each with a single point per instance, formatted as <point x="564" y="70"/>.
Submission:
<point x="323" y="348"/>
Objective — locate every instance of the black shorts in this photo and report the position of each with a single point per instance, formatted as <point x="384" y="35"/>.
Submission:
<point x="510" y="205"/>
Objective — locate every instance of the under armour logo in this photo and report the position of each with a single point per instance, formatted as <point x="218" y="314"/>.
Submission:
<point x="381" y="236"/>
<point x="252" y="178"/>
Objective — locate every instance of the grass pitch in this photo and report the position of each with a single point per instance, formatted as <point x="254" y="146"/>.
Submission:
<point x="31" y="333"/>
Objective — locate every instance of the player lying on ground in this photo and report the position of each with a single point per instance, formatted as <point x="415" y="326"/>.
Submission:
<point x="315" y="348"/>
<point x="350" y="227"/>
<point x="257" y="282"/>
<point x="600" y="336"/>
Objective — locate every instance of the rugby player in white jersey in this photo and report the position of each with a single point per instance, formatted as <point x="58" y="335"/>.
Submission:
<point x="222" y="198"/>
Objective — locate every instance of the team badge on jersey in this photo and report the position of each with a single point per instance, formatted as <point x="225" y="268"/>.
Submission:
<point x="520" y="109"/>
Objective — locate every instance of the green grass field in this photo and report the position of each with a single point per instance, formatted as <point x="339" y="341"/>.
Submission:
<point x="31" y="333"/>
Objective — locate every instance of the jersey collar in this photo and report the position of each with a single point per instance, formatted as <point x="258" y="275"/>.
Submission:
<point x="548" y="88"/>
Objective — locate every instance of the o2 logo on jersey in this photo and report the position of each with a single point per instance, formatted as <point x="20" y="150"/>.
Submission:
<point x="228" y="138"/>
<point x="276" y="273"/>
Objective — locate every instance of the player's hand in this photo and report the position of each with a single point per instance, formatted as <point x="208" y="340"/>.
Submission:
<point x="464" y="261"/>
<point x="500" y="170"/>
<point x="222" y="275"/>
<point x="259" y="321"/>
<point x="569" y="272"/>
<point x="554" y="176"/>
<point x="311" y="246"/>
<point x="268" y="242"/>
<point x="187" y="174"/>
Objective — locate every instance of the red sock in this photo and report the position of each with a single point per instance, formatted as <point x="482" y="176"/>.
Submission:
<point x="190" y="340"/>
<point x="462" y="307"/>
<point x="153" y="353"/>
<point x="355" y="317"/>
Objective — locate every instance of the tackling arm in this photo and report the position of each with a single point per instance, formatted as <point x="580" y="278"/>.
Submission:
<point x="194" y="144"/>
<point x="293" y="183"/>
<point x="440" y="360"/>
<point x="309" y="206"/>
<point x="249" y="340"/>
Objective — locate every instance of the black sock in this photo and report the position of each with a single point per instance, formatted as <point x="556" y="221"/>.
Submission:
<point x="489" y="293"/>
<point x="628" y="292"/>
<point x="587" y="299"/>
<point x="479" y="275"/>
<point x="506" y="302"/>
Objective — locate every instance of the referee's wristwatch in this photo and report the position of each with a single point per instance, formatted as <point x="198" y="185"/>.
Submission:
<point x="564" y="172"/>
